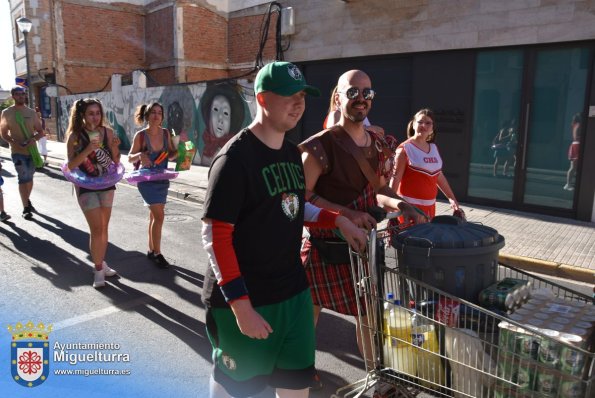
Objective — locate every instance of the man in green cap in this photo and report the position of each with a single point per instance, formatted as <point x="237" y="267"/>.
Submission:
<point x="18" y="127"/>
<point x="259" y="308"/>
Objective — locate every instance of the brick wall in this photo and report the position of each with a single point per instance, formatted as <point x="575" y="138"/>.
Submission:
<point x="159" y="36"/>
<point x="90" y="79"/>
<point x="204" y="74"/>
<point x="162" y="76"/>
<point x="99" y="41"/>
<point x="244" y="38"/>
<point x="205" y="36"/>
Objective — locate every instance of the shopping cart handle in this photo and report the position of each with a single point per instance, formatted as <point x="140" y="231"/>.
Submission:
<point x="391" y="215"/>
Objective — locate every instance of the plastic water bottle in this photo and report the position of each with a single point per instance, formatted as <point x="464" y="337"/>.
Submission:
<point x="429" y="365"/>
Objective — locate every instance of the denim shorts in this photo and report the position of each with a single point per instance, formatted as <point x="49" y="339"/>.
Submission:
<point x="93" y="199"/>
<point x="24" y="167"/>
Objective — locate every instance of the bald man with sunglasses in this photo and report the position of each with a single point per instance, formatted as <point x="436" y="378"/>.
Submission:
<point x="335" y="181"/>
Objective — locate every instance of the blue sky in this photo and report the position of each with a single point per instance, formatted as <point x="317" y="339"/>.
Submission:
<point x="7" y="62"/>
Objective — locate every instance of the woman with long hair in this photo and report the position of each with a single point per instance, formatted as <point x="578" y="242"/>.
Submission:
<point x="418" y="167"/>
<point x="152" y="147"/>
<point x="92" y="147"/>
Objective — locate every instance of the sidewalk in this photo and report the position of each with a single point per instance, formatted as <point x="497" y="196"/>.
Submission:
<point x="534" y="242"/>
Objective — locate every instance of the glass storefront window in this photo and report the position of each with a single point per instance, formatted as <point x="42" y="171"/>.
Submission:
<point x="557" y="100"/>
<point x="495" y="124"/>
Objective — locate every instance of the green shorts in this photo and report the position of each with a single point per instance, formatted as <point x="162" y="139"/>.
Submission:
<point x="246" y="366"/>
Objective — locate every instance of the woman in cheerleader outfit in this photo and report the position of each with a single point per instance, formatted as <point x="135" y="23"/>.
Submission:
<point x="418" y="167"/>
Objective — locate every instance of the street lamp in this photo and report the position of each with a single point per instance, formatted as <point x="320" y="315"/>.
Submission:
<point x="25" y="25"/>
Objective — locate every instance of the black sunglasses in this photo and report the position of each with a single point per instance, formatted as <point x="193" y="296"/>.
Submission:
<point x="353" y="92"/>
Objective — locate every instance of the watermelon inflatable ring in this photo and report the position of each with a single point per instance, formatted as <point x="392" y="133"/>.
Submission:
<point x="115" y="172"/>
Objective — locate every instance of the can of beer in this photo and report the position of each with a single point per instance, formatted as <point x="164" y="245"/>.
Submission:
<point x="508" y="366"/>
<point x="525" y="375"/>
<point x="549" y="348"/>
<point x="501" y="299"/>
<point x="572" y="361"/>
<point x="505" y="390"/>
<point x="562" y="320"/>
<point x="582" y="333"/>
<point x="529" y="306"/>
<point x="571" y="387"/>
<point x="583" y="325"/>
<point x="536" y="322"/>
<point x="526" y="291"/>
<point x="556" y="326"/>
<point x="506" y="336"/>
<point x="541" y="315"/>
<point x="519" y="289"/>
<point x="547" y="381"/>
<point x="527" y="344"/>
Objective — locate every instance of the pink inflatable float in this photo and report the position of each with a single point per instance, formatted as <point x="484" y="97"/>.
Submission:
<point x="141" y="175"/>
<point x="115" y="172"/>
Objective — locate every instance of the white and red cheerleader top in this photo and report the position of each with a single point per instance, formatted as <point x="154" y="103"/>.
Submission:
<point x="419" y="185"/>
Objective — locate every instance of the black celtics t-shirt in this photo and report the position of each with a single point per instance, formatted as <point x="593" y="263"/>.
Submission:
<point x="261" y="191"/>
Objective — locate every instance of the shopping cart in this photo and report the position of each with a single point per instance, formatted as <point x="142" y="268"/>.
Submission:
<point x="456" y="348"/>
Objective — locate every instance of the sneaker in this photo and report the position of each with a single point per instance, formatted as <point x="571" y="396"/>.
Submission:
<point x="30" y="206"/>
<point x="99" y="278"/>
<point x="316" y="383"/>
<point x="27" y="214"/>
<point x="108" y="270"/>
<point x="151" y="255"/>
<point x="160" y="261"/>
<point x="4" y="217"/>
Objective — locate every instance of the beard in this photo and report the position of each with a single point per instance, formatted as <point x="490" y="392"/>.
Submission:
<point x="357" y="115"/>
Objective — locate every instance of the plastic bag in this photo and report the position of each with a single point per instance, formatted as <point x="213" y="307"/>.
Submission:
<point x="472" y="368"/>
<point x="186" y="152"/>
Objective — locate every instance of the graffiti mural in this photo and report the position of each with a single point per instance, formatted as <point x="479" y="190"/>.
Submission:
<point x="222" y="113"/>
<point x="204" y="113"/>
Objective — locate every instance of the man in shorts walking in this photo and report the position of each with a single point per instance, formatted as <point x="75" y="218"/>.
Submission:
<point x="259" y="308"/>
<point x="18" y="127"/>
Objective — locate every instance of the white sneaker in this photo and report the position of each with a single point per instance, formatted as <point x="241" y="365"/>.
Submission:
<point x="108" y="270"/>
<point x="99" y="280"/>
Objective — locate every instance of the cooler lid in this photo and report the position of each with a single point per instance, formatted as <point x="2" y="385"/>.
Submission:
<point x="448" y="232"/>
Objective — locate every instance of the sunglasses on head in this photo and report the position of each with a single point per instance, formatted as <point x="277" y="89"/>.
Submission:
<point x="353" y="92"/>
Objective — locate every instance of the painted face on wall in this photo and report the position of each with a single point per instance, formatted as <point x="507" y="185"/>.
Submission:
<point x="220" y="116"/>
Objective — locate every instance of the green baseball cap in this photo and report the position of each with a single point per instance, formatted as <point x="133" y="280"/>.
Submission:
<point x="282" y="78"/>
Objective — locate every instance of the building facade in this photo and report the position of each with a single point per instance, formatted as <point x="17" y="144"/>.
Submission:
<point x="511" y="82"/>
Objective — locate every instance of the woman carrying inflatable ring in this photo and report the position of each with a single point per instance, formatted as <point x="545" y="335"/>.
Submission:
<point x="153" y="147"/>
<point x="92" y="150"/>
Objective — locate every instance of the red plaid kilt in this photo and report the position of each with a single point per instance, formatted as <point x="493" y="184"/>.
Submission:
<point x="331" y="285"/>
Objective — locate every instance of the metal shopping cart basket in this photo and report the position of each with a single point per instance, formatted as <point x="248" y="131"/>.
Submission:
<point x="439" y="345"/>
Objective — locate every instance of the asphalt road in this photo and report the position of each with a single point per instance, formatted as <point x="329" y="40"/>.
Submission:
<point x="155" y="316"/>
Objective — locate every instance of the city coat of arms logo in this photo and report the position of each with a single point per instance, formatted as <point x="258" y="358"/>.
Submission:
<point x="30" y="353"/>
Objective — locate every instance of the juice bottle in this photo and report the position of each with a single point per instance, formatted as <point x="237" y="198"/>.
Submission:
<point x="388" y="305"/>
<point x="399" y="349"/>
<point x="426" y="351"/>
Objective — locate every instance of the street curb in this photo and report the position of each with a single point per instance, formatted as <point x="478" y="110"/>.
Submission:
<point x="548" y="268"/>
